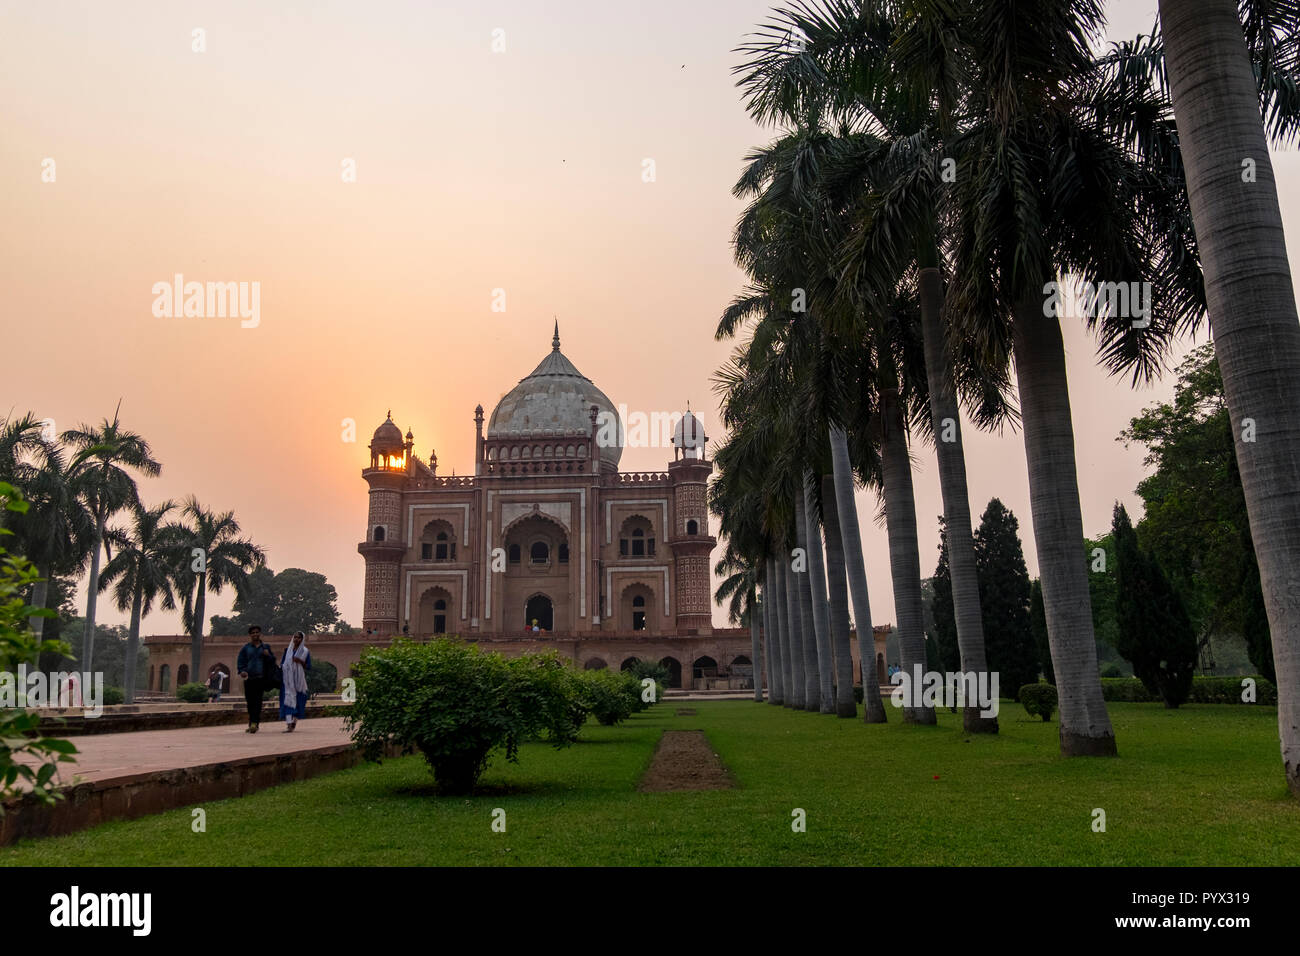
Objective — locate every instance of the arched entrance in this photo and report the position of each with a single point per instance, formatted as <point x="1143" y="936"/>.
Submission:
<point x="705" y="667"/>
<point x="540" y="609"/>
<point x="674" y="671"/>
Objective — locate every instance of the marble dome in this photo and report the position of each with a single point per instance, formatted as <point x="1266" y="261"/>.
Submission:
<point x="556" y="400"/>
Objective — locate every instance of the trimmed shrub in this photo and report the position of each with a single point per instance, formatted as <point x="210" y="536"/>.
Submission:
<point x="611" y="696"/>
<point x="457" y="705"/>
<point x="1039" y="700"/>
<point x="113" y="695"/>
<point x="192" y="693"/>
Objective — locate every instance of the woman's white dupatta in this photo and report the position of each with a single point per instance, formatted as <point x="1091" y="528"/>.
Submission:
<point x="295" y="677"/>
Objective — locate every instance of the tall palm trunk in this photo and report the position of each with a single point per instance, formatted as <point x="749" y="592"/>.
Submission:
<point x="756" y="657"/>
<point x="873" y="710"/>
<point x="807" y="618"/>
<point x="40" y="594"/>
<point x="132" y="648"/>
<point x="820" y="604"/>
<point x="1252" y="306"/>
<point x="781" y="639"/>
<point x="1058" y="529"/>
<point x="952" y="484"/>
<point x="795" y="689"/>
<point x="92" y="597"/>
<point x="772" y="594"/>
<point x="904" y="551"/>
<point x="838" y="604"/>
<point x="196" y="639"/>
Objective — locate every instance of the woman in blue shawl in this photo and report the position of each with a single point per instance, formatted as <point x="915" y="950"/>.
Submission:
<point x="293" y="688"/>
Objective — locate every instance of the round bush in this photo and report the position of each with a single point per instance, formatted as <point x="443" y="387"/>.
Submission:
<point x="113" y="695"/>
<point x="1039" y="699"/>
<point x="192" y="693"/>
<point x="457" y="704"/>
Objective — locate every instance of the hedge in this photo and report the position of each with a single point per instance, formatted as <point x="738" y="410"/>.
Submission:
<point x="1205" y="690"/>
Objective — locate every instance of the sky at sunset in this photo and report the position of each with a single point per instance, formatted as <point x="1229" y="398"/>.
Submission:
<point x="475" y="171"/>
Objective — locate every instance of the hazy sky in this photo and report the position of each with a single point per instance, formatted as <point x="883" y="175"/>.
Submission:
<point x="520" y="170"/>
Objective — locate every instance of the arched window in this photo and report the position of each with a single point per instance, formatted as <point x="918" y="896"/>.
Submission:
<point x="564" y="552"/>
<point x="379" y="532"/>
<point x="539" y="553"/>
<point x="692" y="527"/>
<point x="164" y="678"/>
<point x="514" y="554"/>
<point x="636" y="539"/>
<point x="638" y="601"/>
<point x="444" y="550"/>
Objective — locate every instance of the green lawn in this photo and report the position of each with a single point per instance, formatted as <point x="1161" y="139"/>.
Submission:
<point x="1198" y="786"/>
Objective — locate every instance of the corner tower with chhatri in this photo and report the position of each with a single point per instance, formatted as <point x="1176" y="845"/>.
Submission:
<point x="548" y="543"/>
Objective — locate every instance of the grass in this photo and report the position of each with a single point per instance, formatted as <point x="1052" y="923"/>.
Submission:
<point x="1201" y="785"/>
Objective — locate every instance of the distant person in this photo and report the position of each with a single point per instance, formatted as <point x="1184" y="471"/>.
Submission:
<point x="215" y="683"/>
<point x="293" y="688"/>
<point x="255" y="662"/>
<point x="536" y="629"/>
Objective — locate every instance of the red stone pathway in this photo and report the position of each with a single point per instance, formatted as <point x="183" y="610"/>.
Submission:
<point x="105" y="756"/>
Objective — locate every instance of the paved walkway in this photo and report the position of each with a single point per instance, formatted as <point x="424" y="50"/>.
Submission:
<point x="106" y="756"/>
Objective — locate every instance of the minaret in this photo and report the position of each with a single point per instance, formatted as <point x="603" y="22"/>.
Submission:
<point x="478" y="439"/>
<point x="383" y="547"/>
<point x="689" y="535"/>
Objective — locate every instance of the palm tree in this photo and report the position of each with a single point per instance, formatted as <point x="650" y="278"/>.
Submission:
<point x="105" y="453"/>
<point x="1232" y="190"/>
<point x="839" y="605"/>
<point x="892" y="177"/>
<point x="739" y="588"/>
<point x="815" y="584"/>
<point x="772" y="634"/>
<point x="142" y="570"/>
<point x="58" y="531"/>
<point x="18" y="438"/>
<point x="213" y="556"/>
<point x="1045" y="182"/>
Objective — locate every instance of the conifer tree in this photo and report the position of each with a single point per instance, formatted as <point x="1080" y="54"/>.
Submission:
<point x="1155" y="631"/>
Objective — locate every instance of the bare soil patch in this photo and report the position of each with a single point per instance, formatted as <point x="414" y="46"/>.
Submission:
<point x="684" y="760"/>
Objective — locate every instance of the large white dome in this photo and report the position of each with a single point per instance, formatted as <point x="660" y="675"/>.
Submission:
<point x="555" y="400"/>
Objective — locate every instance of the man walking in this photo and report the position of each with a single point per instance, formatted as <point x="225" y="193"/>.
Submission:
<point x="255" y="659"/>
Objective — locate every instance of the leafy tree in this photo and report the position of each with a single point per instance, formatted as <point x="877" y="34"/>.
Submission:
<point x="323" y="678"/>
<point x="305" y="601"/>
<point x="111" y="643"/>
<point x="1101" y="593"/>
<point x="292" y="600"/>
<point x="944" y="630"/>
<point x="1038" y="623"/>
<point x="1155" y="633"/>
<point x="1004" y="598"/>
<point x="1195" y="520"/>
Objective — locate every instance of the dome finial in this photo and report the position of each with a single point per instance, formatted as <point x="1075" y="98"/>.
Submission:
<point x="555" y="339"/>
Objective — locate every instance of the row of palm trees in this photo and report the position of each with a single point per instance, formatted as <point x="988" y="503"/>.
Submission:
<point x="85" y="478"/>
<point x="941" y="165"/>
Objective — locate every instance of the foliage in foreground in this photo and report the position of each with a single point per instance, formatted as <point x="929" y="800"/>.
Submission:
<point x="18" y="645"/>
<point x="457" y="705"/>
